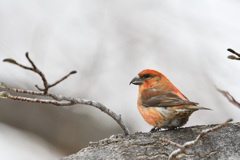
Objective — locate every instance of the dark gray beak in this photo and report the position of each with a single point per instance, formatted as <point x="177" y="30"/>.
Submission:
<point x="136" y="81"/>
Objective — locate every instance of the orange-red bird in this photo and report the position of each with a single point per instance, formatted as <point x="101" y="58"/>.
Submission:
<point x="160" y="103"/>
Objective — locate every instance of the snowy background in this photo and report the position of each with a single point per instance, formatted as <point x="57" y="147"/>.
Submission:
<point x="108" y="43"/>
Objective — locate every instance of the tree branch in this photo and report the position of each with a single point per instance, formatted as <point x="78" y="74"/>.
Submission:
<point x="40" y="73"/>
<point x="226" y="93"/>
<point x="221" y="144"/>
<point x="189" y="144"/>
<point x="63" y="78"/>
<point x="58" y="100"/>
<point x="232" y="56"/>
<point x="229" y="97"/>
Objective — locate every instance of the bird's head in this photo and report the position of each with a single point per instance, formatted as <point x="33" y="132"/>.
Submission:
<point x="147" y="78"/>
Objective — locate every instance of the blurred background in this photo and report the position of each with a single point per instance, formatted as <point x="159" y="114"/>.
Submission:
<point x="108" y="43"/>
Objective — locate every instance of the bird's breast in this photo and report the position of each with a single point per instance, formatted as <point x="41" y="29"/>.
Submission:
<point x="150" y="114"/>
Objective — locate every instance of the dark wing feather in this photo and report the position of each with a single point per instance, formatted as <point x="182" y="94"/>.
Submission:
<point x="165" y="100"/>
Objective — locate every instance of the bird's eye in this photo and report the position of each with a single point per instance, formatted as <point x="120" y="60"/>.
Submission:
<point x="146" y="76"/>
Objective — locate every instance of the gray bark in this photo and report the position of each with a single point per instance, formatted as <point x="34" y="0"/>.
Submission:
<point x="222" y="144"/>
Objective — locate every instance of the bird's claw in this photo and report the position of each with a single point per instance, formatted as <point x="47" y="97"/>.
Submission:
<point x="154" y="129"/>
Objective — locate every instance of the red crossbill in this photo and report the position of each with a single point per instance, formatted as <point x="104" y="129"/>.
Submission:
<point x="160" y="103"/>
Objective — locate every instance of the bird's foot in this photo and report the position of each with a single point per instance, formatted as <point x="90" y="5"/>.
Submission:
<point x="173" y="128"/>
<point x="155" y="129"/>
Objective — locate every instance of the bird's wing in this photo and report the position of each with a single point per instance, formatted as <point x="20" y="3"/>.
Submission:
<point x="164" y="100"/>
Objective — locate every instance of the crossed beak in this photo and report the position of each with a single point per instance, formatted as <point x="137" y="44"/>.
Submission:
<point x="136" y="81"/>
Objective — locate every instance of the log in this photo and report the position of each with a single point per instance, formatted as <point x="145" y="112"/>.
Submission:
<point x="222" y="144"/>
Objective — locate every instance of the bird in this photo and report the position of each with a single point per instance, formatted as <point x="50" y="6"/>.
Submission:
<point x="160" y="103"/>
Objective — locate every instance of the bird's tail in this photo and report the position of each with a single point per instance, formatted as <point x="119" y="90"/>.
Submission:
<point x="193" y="108"/>
<point x="202" y="108"/>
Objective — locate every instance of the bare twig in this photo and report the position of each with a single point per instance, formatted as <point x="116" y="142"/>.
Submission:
<point x="182" y="148"/>
<point x="229" y="97"/>
<point x="226" y="93"/>
<point x="59" y="100"/>
<point x="40" y="73"/>
<point x="232" y="56"/>
<point x="63" y="78"/>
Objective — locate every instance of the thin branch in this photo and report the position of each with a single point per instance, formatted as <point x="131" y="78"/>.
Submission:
<point x="226" y="93"/>
<point x="40" y="73"/>
<point x="7" y="95"/>
<point x="33" y="65"/>
<point x="9" y="60"/>
<point x="182" y="148"/>
<point x="229" y="97"/>
<point x="2" y="85"/>
<point x="60" y="100"/>
<point x="54" y="84"/>
<point x="63" y="78"/>
<point x="36" y="70"/>
<point x="232" y="56"/>
<point x="40" y="89"/>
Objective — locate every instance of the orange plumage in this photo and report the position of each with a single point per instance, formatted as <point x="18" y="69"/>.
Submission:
<point x="160" y="103"/>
